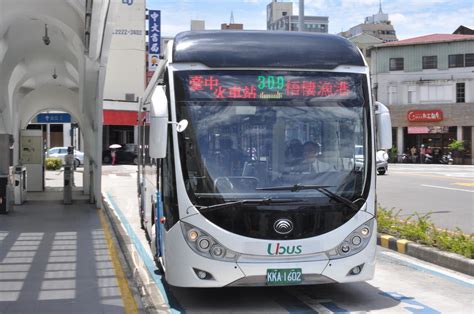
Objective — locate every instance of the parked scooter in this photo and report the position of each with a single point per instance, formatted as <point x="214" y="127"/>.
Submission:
<point x="428" y="159"/>
<point x="404" y="158"/>
<point x="446" y="159"/>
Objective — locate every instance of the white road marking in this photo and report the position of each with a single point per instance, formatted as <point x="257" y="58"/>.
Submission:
<point x="447" y="174"/>
<point x="445" y="188"/>
<point x="433" y="269"/>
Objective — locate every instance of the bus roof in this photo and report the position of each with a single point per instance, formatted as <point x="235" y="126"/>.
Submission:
<point x="265" y="49"/>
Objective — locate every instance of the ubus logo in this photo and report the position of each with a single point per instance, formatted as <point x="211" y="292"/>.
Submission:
<point x="129" y="2"/>
<point x="279" y="249"/>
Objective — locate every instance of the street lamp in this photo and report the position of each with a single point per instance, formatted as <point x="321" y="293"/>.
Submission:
<point x="301" y="19"/>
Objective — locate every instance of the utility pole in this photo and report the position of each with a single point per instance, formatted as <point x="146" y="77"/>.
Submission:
<point x="301" y="19"/>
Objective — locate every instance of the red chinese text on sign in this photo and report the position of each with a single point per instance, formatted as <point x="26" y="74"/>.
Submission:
<point x="425" y="115"/>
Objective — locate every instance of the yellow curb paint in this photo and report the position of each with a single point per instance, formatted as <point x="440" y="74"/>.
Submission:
<point x="402" y="245"/>
<point x="464" y="184"/>
<point x="130" y="306"/>
<point x="384" y="240"/>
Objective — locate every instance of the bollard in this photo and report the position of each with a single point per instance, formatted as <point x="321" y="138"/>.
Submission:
<point x="67" y="185"/>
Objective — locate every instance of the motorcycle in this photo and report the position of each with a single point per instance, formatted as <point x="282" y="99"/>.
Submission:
<point x="428" y="159"/>
<point x="404" y="158"/>
<point x="446" y="159"/>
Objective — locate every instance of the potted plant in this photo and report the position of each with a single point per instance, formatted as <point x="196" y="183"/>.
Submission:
<point x="457" y="147"/>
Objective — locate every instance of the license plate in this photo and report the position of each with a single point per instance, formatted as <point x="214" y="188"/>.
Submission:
<point x="288" y="276"/>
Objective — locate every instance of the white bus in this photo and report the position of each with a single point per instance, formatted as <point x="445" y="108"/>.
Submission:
<point x="248" y="174"/>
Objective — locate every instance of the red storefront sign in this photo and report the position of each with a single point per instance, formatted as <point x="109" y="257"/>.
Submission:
<point x="425" y="115"/>
<point x="121" y="117"/>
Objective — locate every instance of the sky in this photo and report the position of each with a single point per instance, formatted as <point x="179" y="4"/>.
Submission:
<point x="410" y="18"/>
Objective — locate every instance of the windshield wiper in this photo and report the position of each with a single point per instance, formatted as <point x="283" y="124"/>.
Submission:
<point x="321" y="188"/>
<point x="265" y="201"/>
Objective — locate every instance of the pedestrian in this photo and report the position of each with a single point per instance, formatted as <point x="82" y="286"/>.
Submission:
<point x="422" y="153"/>
<point x="429" y="150"/>
<point x="113" y="154"/>
<point x="413" y="153"/>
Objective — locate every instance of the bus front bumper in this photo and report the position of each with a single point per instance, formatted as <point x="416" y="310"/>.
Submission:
<point x="183" y="267"/>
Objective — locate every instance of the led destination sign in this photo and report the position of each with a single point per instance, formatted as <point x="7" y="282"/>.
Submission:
<point x="255" y="86"/>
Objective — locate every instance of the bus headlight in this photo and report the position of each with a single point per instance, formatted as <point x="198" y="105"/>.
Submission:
<point x="205" y="245"/>
<point x="193" y="235"/>
<point x="217" y="251"/>
<point x="354" y="243"/>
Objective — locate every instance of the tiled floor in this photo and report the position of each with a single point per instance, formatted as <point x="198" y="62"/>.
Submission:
<point x="54" y="259"/>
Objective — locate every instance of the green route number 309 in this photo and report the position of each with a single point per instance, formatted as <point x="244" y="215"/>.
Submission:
<point x="271" y="82"/>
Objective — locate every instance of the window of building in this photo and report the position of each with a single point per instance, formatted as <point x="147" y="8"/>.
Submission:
<point x="392" y="95"/>
<point x="411" y="94"/>
<point x="456" y="61"/>
<point x="368" y="52"/>
<point x="436" y="93"/>
<point x="129" y="97"/>
<point x="469" y="59"/>
<point x="460" y="92"/>
<point x="430" y="62"/>
<point x="396" y="64"/>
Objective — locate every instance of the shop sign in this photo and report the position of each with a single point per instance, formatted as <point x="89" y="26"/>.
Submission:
<point x="425" y="115"/>
<point x="154" y="39"/>
<point x="427" y="129"/>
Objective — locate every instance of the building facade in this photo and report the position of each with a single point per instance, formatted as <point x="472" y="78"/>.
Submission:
<point x="198" y="25"/>
<point x="428" y="84"/>
<point x="230" y="26"/>
<point x="314" y="24"/>
<point x="280" y="18"/>
<point x="277" y="10"/>
<point x="365" y="43"/>
<point x="377" y="25"/>
<point x="125" y="78"/>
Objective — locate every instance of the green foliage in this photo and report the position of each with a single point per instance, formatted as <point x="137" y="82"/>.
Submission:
<point x="456" y="145"/>
<point x="420" y="229"/>
<point x="53" y="163"/>
<point x="393" y="154"/>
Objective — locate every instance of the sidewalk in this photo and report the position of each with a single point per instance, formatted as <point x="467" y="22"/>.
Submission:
<point x="60" y="259"/>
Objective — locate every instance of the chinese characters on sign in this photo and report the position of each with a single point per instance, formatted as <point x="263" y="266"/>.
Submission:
<point x="154" y="38"/>
<point x="53" y="118"/>
<point x="265" y="87"/>
<point x="425" y="115"/>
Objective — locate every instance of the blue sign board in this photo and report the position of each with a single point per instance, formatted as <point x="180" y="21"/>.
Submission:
<point x="53" y="118"/>
<point x="154" y="39"/>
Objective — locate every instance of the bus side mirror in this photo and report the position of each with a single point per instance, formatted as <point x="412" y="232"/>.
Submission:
<point x="383" y="126"/>
<point x="158" y="123"/>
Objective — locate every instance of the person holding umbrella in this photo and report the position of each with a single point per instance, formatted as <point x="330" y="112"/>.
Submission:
<point x="113" y="153"/>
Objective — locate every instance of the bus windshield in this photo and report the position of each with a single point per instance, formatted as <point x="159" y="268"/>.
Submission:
<point x="253" y="133"/>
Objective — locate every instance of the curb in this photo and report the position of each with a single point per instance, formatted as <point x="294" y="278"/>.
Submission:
<point x="152" y="299"/>
<point x="429" y="254"/>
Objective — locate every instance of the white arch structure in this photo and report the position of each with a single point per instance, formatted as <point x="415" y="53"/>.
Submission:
<point x="80" y="32"/>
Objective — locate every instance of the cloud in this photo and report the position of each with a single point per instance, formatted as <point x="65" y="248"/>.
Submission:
<point x="425" y="23"/>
